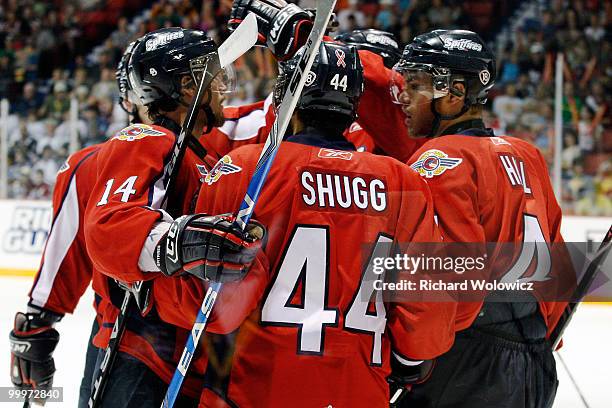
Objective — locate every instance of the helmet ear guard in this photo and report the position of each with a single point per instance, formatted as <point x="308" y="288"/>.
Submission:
<point x="333" y="84"/>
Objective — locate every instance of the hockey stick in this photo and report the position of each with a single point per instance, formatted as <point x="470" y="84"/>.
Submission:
<point x="241" y="40"/>
<point x="283" y="117"/>
<point x="582" y="288"/>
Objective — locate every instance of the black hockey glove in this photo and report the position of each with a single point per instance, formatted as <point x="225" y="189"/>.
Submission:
<point x="209" y="247"/>
<point x="403" y="376"/>
<point x="33" y="340"/>
<point x="283" y="27"/>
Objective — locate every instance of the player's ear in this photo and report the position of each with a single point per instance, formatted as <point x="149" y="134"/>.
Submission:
<point x="188" y="88"/>
<point x="457" y="92"/>
<point x="453" y="102"/>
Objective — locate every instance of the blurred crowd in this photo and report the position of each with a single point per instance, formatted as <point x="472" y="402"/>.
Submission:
<point x="51" y="72"/>
<point x="523" y="100"/>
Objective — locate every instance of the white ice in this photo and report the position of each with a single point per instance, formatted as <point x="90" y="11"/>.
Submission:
<point x="587" y="349"/>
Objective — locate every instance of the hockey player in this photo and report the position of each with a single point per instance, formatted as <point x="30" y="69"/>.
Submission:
<point x="164" y="71"/>
<point x="65" y="270"/>
<point x="383" y="44"/>
<point x="313" y="321"/>
<point x="486" y="188"/>
<point x="382" y="120"/>
<point x="433" y="114"/>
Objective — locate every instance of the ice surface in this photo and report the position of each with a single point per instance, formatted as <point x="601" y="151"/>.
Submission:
<point x="587" y="350"/>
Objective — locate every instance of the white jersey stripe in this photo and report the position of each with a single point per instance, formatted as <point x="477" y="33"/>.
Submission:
<point x="246" y="127"/>
<point x="60" y="239"/>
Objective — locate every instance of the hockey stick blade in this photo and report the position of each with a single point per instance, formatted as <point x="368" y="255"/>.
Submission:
<point x="298" y="79"/>
<point x="240" y="41"/>
<point x="582" y="288"/>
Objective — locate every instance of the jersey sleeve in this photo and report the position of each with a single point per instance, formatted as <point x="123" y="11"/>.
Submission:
<point x="236" y="300"/>
<point x="122" y="211"/>
<point x="247" y="124"/>
<point x="454" y="188"/>
<point x="378" y="115"/>
<point x="65" y="270"/>
<point x="419" y="330"/>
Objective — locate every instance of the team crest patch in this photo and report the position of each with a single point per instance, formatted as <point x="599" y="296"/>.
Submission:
<point x="64" y="167"/>
<point x="434" y="162"/>
<point x="335" y="154"/>
<point x="223" y="166"/>
<point x="138" y="131"/>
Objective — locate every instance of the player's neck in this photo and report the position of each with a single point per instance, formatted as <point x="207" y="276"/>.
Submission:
<point x="445" y="124"/>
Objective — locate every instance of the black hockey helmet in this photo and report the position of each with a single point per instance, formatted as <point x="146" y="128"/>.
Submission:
<point x="452" y="55"/>
<point x="126" y="94"/>
<point x="162" y="57"/>
<point x="437" y="61"/>
<point x="333" y="84"/>
<point x="380" y="42"/>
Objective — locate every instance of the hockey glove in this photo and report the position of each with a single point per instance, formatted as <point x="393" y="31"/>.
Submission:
<point x="209" y="247"/>
<point x="404" y="374"/>
<point x="283" y="27"/>
<point x="33" y="340"/>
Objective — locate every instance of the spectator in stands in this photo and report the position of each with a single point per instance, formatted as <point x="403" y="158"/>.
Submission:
<point x="508" y="106"/>
<point x="57" y="103"/>
<point x="39" y="189"/>
<point x="351" y="18"/>
<point x="571" y="152"/>
<point x="29" y="102"/>
<point x="106" y="87"/>
<point x="47" y="165"/>
<point x="121" y="37"/>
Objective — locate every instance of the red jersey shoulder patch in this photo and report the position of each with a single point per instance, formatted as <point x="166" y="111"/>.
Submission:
<point x="434" y="162"/>
<point x="137" y="131"/>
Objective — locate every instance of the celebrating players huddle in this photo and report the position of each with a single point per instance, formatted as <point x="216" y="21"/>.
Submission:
<point x="384" y="149"/>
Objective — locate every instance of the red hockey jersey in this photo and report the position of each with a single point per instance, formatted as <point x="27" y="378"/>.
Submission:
<point x="251" y="124"/>
<point x="65" y="269"/>
<point x="127" y="190"/>
<point x="491" y="189"/>
<point x="379" y="116"/>
<point x="309" y="330"/>
<point x="247" y="124"/>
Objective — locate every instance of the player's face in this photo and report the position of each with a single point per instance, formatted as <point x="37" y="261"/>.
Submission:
<point x="216" y="104"/>
<point x="415" y="98"/>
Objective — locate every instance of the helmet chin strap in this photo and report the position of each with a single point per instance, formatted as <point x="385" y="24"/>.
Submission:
<point x="210" y="116"/>
<point x="438" y="117"/>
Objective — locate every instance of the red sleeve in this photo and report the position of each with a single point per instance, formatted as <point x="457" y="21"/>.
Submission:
<point x="419" y="330"/>
<point x="454" y="188"/>
<point x="247" y="124"/>
<point x="65" y="270"/>
<point x="378" y="115"/>
<point x="362" y="141"/>
<point x="177" y="300"/>
<point x="183" y="297"/>
<point x="122" y="212"/>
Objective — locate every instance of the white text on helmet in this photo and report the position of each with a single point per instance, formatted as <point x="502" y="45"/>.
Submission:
<point x="461" y="44"/>
<point x="162" y="39"/>
<point x="381" y="39"/>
